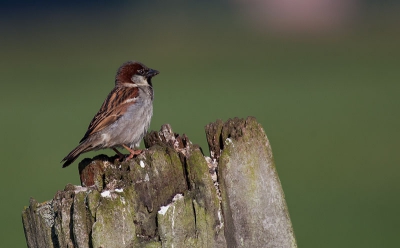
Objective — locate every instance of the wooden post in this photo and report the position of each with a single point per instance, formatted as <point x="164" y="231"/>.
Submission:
<point x="172" y="196"/>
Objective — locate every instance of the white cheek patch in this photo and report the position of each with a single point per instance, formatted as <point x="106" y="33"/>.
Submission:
<point x="139" y="80"/>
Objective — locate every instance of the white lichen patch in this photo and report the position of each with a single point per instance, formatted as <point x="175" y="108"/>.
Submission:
<point x="79" y="189"/>
<point x="142" y="164"/>
<point x="107" y="164"/>
<point x="214" y="177"/>
<point x="164" y="209"/>
<point x="212" y="153"/>
<point x="208" y="160"/>
<point x="177" y="197"/>
<point x="119" y="190"/>
<point x="212" y="165"/>
<point x="47" y="213"/>
<point x="221" y="221"/>
<point x="106" y="193"/>
<point x="229" y="141"/>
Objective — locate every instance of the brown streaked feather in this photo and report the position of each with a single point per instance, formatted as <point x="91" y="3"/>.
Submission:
<point x="70" y="158"/>
<point x="115" y="105"/>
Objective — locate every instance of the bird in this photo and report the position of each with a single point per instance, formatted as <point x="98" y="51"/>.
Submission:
<point x="125" y="115"/>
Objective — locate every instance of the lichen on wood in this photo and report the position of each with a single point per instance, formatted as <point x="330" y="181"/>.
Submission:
<point x="172" y="195"/>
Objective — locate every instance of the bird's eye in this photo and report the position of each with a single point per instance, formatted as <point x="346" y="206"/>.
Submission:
<point x="141" y="71"/>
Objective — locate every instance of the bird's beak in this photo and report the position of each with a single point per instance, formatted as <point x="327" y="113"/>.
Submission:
<point x="151" y="73"/>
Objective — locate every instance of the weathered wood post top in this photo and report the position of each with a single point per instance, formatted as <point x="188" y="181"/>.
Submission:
<point x="172" y="195"/>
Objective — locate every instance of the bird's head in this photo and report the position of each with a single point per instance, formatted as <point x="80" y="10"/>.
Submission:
<point x="135" y="73"/>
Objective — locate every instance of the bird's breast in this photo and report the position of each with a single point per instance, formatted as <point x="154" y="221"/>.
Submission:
<point x="133" y="125"/>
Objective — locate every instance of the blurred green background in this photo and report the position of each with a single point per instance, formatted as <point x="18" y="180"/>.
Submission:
<point x="322" y="79"/>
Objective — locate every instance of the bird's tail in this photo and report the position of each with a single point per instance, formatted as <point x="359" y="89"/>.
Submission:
<point x="74" y="154"/>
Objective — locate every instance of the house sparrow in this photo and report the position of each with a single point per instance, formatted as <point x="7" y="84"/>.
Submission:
<point x="125" y="115"/>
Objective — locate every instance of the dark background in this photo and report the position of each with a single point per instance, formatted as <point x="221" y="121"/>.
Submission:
<point x="321" y="76"/>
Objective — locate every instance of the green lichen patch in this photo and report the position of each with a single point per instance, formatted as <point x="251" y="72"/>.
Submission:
<point x="151" y="244"/>
<point x="114" y="221"/>
<point x="82" y="220"/>
<point x="92" y="201"/>
<point x="201" y="184"/>
<point x="177" y="223"/>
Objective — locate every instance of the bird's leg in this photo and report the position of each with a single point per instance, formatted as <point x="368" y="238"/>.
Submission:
<point x="121" y="156"/>
<point x="132" y="152"/>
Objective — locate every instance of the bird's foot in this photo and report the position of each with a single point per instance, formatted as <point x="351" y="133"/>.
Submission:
<point x="132" y="152"/>
<point x="121" y="155"/>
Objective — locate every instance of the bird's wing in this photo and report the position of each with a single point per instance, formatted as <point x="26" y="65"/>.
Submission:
<point x="115" y="105"/>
